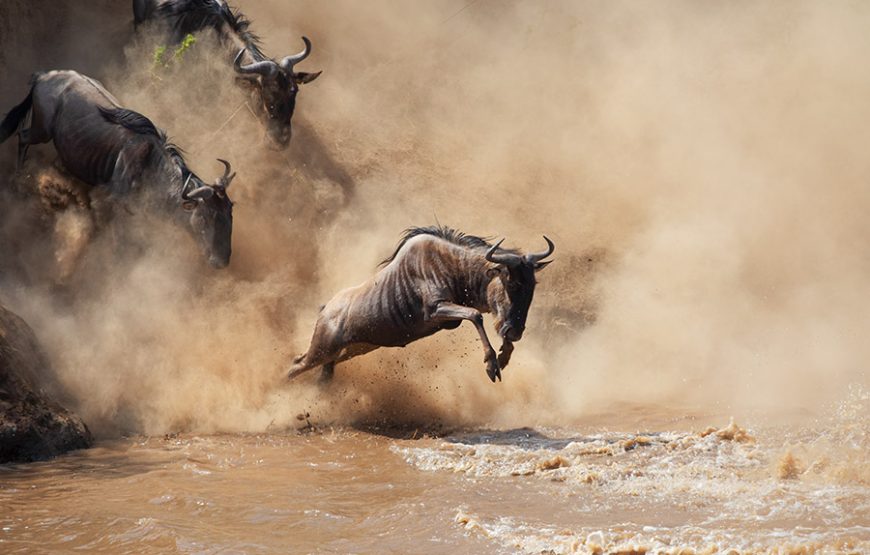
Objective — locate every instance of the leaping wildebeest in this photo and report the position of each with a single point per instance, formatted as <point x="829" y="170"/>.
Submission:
<point x="104" y="145"/>
<point x="273" y="84"/>
<point x="436" y="278"/>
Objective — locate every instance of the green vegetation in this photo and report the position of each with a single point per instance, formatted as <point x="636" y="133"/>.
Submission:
<point x="157" y="59"/>
<point x="188" y="42"/>
<point x="161" y="59"/>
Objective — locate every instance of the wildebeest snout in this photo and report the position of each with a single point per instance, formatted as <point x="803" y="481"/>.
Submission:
<point x="218" y="262"/>
<point x="278" y="139"/>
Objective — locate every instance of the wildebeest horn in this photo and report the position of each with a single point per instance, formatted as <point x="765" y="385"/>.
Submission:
<point x="505" y="258"/>
<point x="200" y="193"/>
<point x="225" y="180"/>
<point x="184" y="187"/>
<point x="288" y="62"/>
<point x="266" y="68"/>
<point x="537" y="257"/>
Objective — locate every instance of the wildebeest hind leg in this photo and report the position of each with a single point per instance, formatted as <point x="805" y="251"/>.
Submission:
<point x="328" y="360"/>
<point x="327" y="372"/>
<point x="349" y="352"/>
<point x="322" y="351"/>
<point x="308" y="362"/>
<point x="324" y="348"/>
<point x="142" y="10"/>
<point x="23" y="145"/>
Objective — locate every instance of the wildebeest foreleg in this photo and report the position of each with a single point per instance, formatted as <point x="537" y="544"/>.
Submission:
<point x="73" y="230"/>
<point x="450" y="312"/>
<point x="504" y="354"/>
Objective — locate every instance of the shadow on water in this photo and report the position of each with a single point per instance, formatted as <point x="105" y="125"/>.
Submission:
<point x="530" y="439"/>
<point x="397" y="430"/>
<point x="107" y="460"/>
<point x="525" y="438"/>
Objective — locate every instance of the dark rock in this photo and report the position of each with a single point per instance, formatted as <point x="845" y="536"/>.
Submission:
<point x="32" y="425"/>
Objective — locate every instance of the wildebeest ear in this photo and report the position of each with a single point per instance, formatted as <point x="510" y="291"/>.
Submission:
<point x="247" y="81"/>
<point x="494" y="272"/>
<point x="542" y="265"/>
<point x="303" y="77"/>
<point x="189" y="205"/>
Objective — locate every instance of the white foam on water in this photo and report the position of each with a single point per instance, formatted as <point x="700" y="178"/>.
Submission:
<point x="710" y="491"/>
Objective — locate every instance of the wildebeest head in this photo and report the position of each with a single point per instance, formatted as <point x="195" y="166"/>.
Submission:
<point x="512" y="287"/>
<point x="211" y="215"/>
<point x="277" y="84"/>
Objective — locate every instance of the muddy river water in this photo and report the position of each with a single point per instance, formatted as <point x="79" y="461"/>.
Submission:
<point x="622" y="482"/>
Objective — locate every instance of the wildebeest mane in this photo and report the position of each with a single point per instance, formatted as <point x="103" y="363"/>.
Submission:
<point x="137" y="123"/>
<point x="442" y="232"/>
<point x="191" y="16"/>
<point x="134" y="121"/>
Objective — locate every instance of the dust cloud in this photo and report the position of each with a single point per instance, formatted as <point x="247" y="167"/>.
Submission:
<point x="699" y="168"/>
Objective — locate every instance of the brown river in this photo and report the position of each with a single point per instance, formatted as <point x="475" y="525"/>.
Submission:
<point x="631" y="481"/>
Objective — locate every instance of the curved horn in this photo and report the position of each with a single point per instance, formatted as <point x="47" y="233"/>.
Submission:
<point x="288" y="62"/>
<point x="225" y="180"/>
<point x="266" y="68"/>
<point x="201" y="193"/>
<point x="504" y="258"/>
<point x="537" y="257"/>
<point x="184" y="187"/>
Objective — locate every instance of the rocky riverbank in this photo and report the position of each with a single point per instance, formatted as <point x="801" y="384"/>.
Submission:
<point x="33" y="426"/>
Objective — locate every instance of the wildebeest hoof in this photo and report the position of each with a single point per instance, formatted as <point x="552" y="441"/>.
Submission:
<point x="493" y="370"/>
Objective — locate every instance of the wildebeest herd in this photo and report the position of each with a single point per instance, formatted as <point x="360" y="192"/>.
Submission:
<point x="436" y="278"/>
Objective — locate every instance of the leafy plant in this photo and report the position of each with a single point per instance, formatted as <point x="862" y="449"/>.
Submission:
<point x="157" y="59"/>
<point x="187" y="43"/>
<point x="161" y="59"/>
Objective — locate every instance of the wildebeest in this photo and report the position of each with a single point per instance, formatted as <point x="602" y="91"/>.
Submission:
<point x="273" y="85"/>
<point x="104" y="145"/>
<point x="436" y="278"/>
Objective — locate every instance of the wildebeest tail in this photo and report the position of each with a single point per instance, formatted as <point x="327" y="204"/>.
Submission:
<point x="14" y="117"/>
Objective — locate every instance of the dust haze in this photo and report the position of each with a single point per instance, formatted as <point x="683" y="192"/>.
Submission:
<point x="699" y="167"/>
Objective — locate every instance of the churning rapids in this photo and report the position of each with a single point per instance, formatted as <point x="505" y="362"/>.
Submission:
<point x="626" y="482"/>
